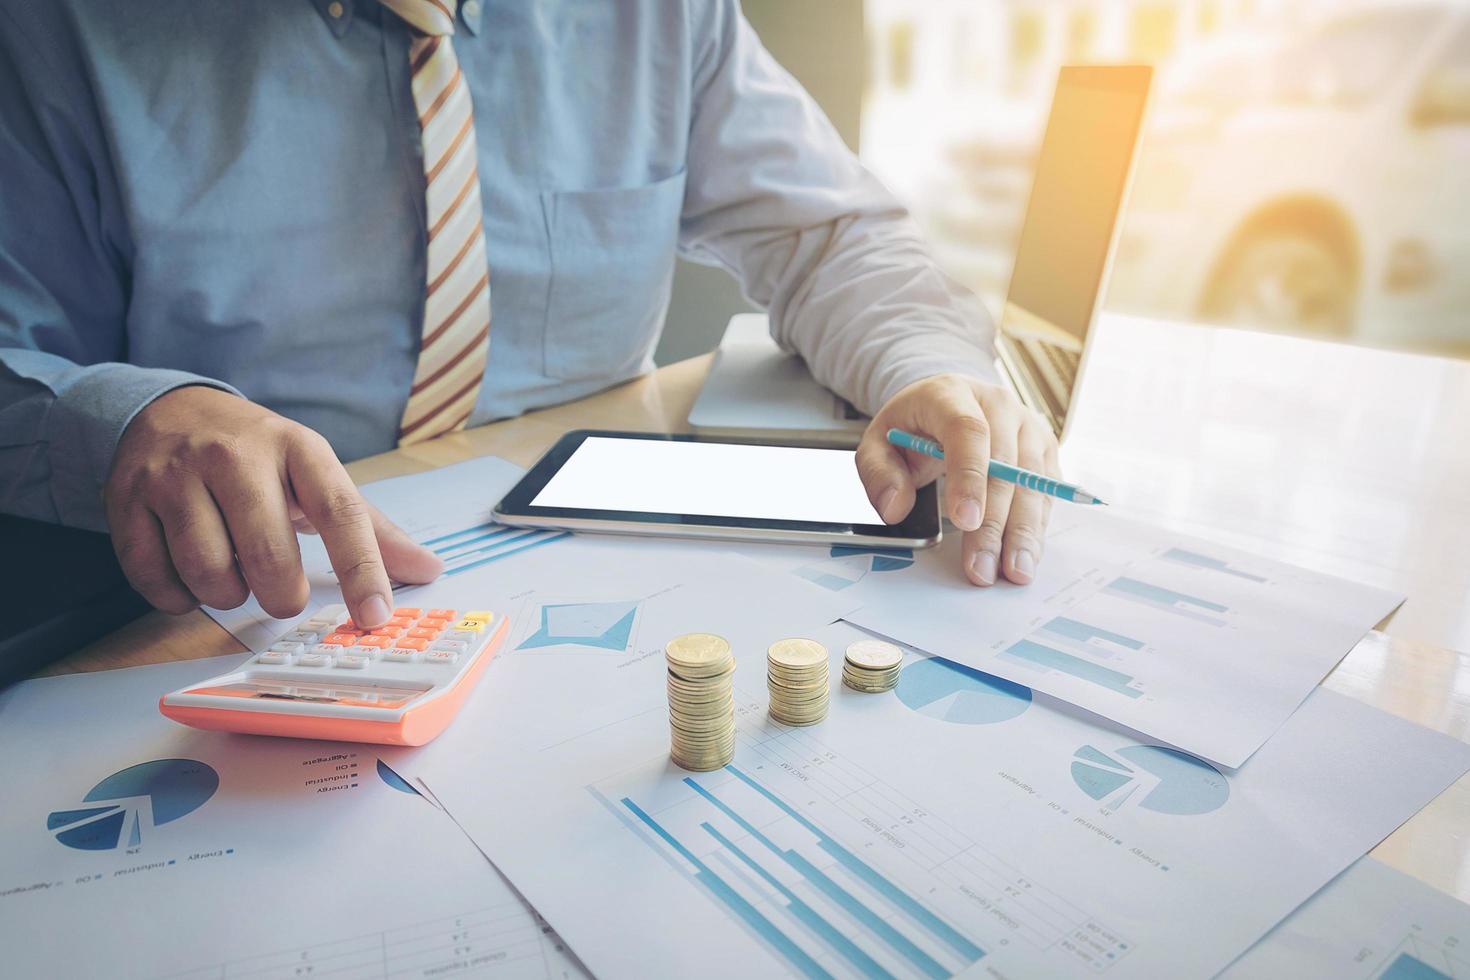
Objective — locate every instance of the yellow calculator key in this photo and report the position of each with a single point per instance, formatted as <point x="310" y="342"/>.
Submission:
<point x="470" y="625"/>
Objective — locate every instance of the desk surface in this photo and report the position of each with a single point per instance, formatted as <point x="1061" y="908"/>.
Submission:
<point x="1168" y="381"/>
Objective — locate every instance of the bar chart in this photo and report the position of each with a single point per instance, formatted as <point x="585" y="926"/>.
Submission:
<point x="472" y="547"/>
<point x="839" y="875"/>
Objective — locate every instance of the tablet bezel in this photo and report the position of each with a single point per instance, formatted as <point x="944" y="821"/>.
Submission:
<point x="920" y="529"/>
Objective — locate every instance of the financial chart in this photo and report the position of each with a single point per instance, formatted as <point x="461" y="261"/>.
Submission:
<point x="801" y="872"/>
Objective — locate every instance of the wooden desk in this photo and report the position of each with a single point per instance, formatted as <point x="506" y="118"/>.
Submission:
<point x="1418" y="680"/>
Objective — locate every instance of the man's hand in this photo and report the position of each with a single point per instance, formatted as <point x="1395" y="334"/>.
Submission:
<point x="974" y="422"/>
<point x="206" y="493"/>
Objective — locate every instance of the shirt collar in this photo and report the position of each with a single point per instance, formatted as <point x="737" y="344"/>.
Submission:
<point x="338" y="14"/>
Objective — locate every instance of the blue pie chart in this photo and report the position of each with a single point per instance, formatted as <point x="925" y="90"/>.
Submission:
<point x="958" y="694"/>
<point x="1181" y="785"/>
<point x="174" y="788"/>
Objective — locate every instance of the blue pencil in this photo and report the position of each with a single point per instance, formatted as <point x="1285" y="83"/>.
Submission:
<point x="1001" y="471"/>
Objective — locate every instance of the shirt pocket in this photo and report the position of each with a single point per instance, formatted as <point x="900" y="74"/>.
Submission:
<point x="612" y="263"/>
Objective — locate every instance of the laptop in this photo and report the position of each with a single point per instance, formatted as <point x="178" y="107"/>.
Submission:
<point x="755" y="389"/>
<point x="1070" y="232"/>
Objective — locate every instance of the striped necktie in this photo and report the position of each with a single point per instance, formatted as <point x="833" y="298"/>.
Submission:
<point x="455" y="344"/>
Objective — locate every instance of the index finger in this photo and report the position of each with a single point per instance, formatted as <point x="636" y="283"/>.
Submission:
<point x="965" y="433"/>
<point x="330" y="500"/>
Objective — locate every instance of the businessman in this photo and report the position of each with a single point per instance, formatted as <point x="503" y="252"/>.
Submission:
<point x="242" y="241"/>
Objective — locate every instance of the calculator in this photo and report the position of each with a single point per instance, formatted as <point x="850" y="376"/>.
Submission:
<point x="399" y="684"/>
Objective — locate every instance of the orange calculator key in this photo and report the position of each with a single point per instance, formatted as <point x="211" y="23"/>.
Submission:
<point x="386" y="631"/>
<point x="441" y="614"/>
<point x="424" y="633"/>
<point x="341" y="639"/>
<point x="403" y="622"/>
<point x="409" y="611"/>
<point x="430" y="623"/>
<point x="381" y="642"/>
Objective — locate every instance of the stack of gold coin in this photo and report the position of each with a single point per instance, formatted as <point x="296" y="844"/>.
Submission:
<point x="872" y="666"/>
<point x="701" y="701"/>
<point x="797" y="676"/>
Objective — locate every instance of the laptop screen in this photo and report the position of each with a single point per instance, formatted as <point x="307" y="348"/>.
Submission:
<point x="1081" y="174"/>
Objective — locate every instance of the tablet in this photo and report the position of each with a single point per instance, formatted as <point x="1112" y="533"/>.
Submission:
<point x="709" y="487"/>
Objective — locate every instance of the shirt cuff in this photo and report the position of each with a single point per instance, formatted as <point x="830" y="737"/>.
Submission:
<point x="89" y="416"/>
<point x="927" y="355"/>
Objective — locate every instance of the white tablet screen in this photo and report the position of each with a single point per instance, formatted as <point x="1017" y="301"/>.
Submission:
<point x="781" y="483"/>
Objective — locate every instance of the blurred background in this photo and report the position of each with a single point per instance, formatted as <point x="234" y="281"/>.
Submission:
<point x="1305" y="168"/>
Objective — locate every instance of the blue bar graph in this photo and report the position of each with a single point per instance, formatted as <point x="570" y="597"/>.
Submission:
<point x="441" y="539"/>
<point x="1197" y="560"/>
<point x="1037" y="655"/>
<point x="722" y="891"/>
<point x="809" y="917"/>
<point x="1156" y="593"/>
<point x="531" y="539"/>
<point x="916" y="911"/>
<point x="455" y="548"/>
<point x="839" y="895"/>
<point x="1406" y="967"/>
<point x="1082" y="632"/>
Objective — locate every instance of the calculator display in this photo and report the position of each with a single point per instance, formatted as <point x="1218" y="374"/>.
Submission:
<point x="357" y="696"/>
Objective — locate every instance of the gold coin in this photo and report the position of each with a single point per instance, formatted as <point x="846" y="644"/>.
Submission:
<point x="796" y="653"/>
<point x="697" y="650"/>
<point x="874" y="655"/>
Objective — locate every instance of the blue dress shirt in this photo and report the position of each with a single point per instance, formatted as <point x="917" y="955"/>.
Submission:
<point x="232" y="193"/>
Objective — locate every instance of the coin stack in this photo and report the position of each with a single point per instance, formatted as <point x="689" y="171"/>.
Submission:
<point x="797" y="676"/>
<point x="872" y="666"/>
<point x="701" y="701"/>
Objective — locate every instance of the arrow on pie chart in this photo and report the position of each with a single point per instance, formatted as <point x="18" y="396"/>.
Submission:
<point x="131" y="802"/>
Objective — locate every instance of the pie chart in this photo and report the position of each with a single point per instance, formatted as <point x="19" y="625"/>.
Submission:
<point x="958" y="694"/>
<point x="130" y="803"/>
<point x="1172" y="782"/>
<point x="394" y="780"/>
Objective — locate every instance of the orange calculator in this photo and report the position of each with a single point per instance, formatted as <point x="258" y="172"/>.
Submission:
<point x="400" y="684"/>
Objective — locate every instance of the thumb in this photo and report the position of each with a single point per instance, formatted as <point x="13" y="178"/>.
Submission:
<point x="404" y="559"/>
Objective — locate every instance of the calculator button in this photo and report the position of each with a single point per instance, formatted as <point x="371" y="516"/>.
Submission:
<point x="434" y="623"/>
<point x="340" y="639"/>
<point x="352" y="661"/>
<point x="470" y="625"/>
<point x="441" y="614"/>
<point x="302" y="636"/>
<point x="389" y="631"/>
<point x="286" y="646"/>
<point x="423" y="633"/>
<point x="442" y="657"/>
<point x="402" y="655"/>
<point x="412" y="643"/>
<point x="408" y="611"/>
<point x="481" y="615"/>
<point x="274" y="658"/>
<point x="372" y="653"/>
<point x="313" y="660"/>
<point x="462" y="636"/>
<point x="326" y="650"/>
<point x="381" y="642"/>
<point x="402" y="622"/>
<point x="450" y="646"/>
